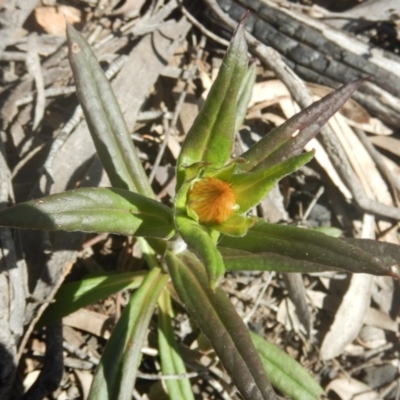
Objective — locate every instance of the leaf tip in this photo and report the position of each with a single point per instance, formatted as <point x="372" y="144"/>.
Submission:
<point x="69" y="29"/>
<point x="352" y="86"/>
<point x="215" y="282"/>
<point x="73" y="37"/>
<point x="243" y="19"/>
<point x="240" y="24"/>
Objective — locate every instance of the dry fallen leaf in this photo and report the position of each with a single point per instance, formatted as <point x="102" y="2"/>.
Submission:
<point x="88" y="321"/>
<point x="274" y="89"/>
<point x="387" y="143"/>
<point x="372" y="337"/>
<point x="350" y="389"/>
<point x="374" y="126"/>
<point x="350" y="315"/>
<point x="379" y="319"/>
<point x="53" y="19"/>
<point x="324" y="161"/>
<point x="85" y="379"/>
<point x="31" y="378"/>
<point x="365" y="168"/>
<point x="267" y="91"/>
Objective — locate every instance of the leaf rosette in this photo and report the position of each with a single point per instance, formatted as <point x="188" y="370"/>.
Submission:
<point x="214" y="193"/>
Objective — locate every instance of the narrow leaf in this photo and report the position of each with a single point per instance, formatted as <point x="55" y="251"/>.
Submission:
<point x="201" y="243"/>
<point x="211" y="136"/>
<point x="171" y="361"/>
<point x="251" y="187"/>
<point x="237" y="225"/>
<point x="103" y="210"/>
<point x="285" y="373"/>
<point x="116" y="374"/>
<point x="244" y="96"/>
<point x="219" y="321"/>
<point x="104" y="118"/>
<point x="239" y="260"/>
<point x="387" y="253"/>
<point x="75" y="295"/>
<point x="305" y="246"/>
<point x="290" y="138"/>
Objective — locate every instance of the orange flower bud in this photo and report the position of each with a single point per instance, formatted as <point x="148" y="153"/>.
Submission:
<point x="212" y="200"/>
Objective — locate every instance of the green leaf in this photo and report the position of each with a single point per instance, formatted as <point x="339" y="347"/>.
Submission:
<point x="251" y="187"/>
<point x="107" y="210"/>
<point x="285" y="373"/>
<point x="219" y="321"/>
<point x="244" y="97"/>
<point x="171" y="361"/>
<point x="239" y="260"/>
<point x="330" y="231"/>
<point x="236" y="225"/>
<point x="387" y="253"/>
<point x="75" y="295"/>
<point x="116" y="374"/>
<point x="104" y="118"/>
<point x="271" y="243"/>
<point x="200" y="241"/>
<point x="210" y="138"/>
<point x="290" y="138"/>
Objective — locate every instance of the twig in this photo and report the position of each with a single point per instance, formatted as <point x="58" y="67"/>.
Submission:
<point x="219" y="388"/>
<point x="51" y="92"/>
<point x="40" y="311"/>
<point x="380" y="163"/>
<point x="297" y="294"/>
<point x="8" y="56"/>
<point x="151" y="115"/>
<point x="319" y="193"/>
<point x="146" y="24"/>
<point x="156" y="377"/>
<point x="34" y="69"/>
<point x="201" y="27"/>
<point x="80" y="353"/>
<point x="250" y="314"/>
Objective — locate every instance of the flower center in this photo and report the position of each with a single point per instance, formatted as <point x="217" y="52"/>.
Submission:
<point x="212" y="200"/>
